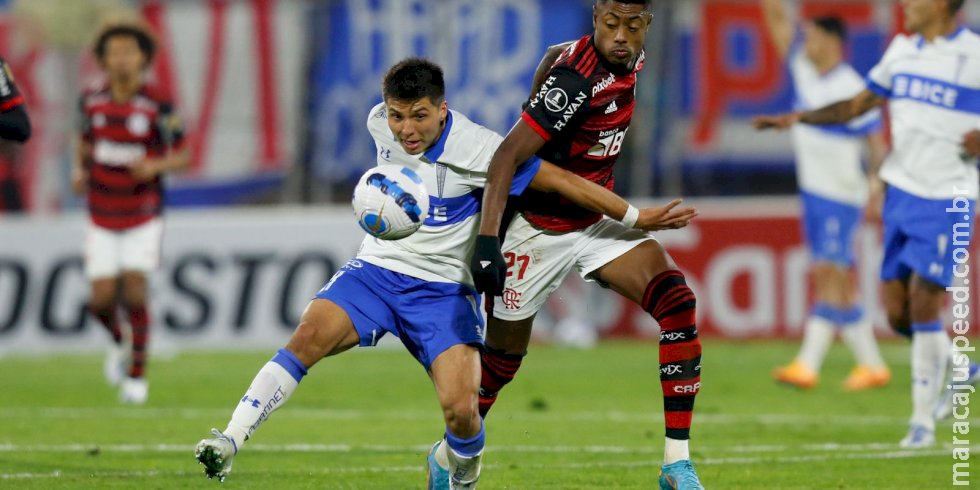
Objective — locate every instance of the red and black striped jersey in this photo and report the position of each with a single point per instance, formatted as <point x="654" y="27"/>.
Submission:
<point x="123" y="134"/>
<point x="583" y="111"/>
<point x="10" y="97"/>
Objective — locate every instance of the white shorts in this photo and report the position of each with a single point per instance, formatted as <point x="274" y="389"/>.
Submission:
<point x="110" y="252"/>
<point x="538" y="260"/>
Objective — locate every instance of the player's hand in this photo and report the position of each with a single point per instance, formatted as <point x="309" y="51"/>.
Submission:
<point x="145" y="171"/>
<point x="780" y="122"/>
<point x="971" y="143"/>
<point x="668" y="217"/>
<point x="79" y="180"/>
<point x="487" y="266"/>
<point x="876" y="199"/>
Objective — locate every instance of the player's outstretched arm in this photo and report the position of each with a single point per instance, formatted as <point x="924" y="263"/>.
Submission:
<point x="837" y="113"/>
<point x="594" y="197"/>
<point x="779" y="25"/>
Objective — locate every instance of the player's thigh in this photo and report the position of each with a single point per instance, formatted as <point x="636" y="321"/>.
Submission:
<point x="134" y="287"/>
<point x="895" y="298"/>
<point x="456" y="376"/>
<point x="105" y="291"/>
<point x="537" y="263"/>
<point x="325" y="329"/>
<point x="511" y="336"/>
<point x="625" y="260"/>
<point x="101" y="253"/>
<point x="832" y="283"/>
<point x="926" y="300"/>
<point x="140" y="247"/>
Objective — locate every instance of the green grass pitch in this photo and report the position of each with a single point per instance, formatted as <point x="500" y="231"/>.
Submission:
<point x="364" y="420"/>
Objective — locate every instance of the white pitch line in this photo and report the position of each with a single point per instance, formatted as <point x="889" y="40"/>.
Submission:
<point x="71" y="413"/>
<point x="899" y="454"/>
<point x="346" y="448"/>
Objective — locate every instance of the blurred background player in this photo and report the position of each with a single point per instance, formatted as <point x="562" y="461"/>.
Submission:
<point x="15" y="126"/>
<point x="130" y="137"/>
<point x="418" y="287"/>
<point x="928" y="78"/>
<point x="578" y="119"/>
<point x="833" y="191"/>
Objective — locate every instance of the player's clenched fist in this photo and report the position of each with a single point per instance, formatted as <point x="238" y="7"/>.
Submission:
<point x="488" y="266"/>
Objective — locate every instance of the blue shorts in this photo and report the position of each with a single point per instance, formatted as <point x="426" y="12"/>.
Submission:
<point x="919" y="236"/>
<point x="428" y="317"/>
<point x="828" y="228"/>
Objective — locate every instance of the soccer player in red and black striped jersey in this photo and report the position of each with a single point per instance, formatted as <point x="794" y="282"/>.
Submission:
<point x="130" y="137"/>
<point x="14" y="126"/>
<point x="578" y="119"/>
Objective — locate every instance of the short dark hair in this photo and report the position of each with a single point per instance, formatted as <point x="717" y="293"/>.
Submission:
<point x="144" y="39"/>
<point x="831" y="24"/>
<point x="955" y="6"/>
<point x="645" y="3"/>
<point x="412" y="79"/>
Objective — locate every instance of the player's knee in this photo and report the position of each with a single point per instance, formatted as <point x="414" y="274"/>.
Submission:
<point x="102" y="303"/>
<point x="134" y="299"/>
<point x="462" y="417"/>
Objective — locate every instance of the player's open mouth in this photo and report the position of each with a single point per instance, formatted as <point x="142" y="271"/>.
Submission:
<point x="411" y="146"/>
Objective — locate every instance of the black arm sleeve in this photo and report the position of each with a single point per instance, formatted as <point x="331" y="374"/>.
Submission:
<point x="15" y="125"/>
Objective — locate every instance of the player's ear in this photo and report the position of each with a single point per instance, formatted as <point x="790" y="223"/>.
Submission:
<point x="443" y="111"/>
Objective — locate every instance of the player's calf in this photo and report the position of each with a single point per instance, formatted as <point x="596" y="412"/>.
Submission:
<point x="498" y="369"/>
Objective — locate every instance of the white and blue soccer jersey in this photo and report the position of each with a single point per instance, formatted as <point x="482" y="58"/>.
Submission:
<point x="934" y="99"/>
<point x="454" y="171"/>
<point x="828" y="158"/>
<point x="933" y="90"/>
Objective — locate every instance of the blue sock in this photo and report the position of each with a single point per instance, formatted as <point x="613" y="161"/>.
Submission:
<point x="827" y="312"/>
<point x="850" y="316"/>
<point x="933" y="326"/>
<point x="467" y="447"/>
<point x="290" y="363"/>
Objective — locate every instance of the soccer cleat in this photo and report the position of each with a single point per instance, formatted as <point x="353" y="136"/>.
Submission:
<point x="115" y="364"/>
<point x="134" y="391"/>
<point x="864" y="378"/>
<point x="918" y="437"/>
<point x="216" y="455"/>
<point x="796" y="374"/>
<point x="944" y="408"/>
<point x="679" y="475"/>
<point x="437" y="477"/>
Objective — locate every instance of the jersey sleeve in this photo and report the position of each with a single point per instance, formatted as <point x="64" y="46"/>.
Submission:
<point x="560" y="104"/>
<point x="170" y="125"/>
<point x="880" y="77"/>
<point x="10" y="97"/>
<point x="524" y="175"/>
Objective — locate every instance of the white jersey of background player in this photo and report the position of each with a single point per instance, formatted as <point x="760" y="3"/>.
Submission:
<point x="931" y="80"/>
<point x="833" y="193"/>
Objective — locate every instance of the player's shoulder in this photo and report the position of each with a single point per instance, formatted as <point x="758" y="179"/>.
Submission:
<point x="903" y="44"/>
<point x="579" y="58"/>
<point x="377" y="121"/>
<point x="967" y="40"/>
<point x="155" y="94"/>
<point x="468" y="143"/>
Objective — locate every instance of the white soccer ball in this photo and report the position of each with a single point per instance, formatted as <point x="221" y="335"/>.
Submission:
<point x="390" y="202"/>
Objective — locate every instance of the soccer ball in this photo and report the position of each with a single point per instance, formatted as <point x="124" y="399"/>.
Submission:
<point x="390" y="202"/>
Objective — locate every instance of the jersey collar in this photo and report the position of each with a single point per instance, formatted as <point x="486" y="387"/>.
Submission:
<point x="950" y="37"/>
<point x="433" y="154"/>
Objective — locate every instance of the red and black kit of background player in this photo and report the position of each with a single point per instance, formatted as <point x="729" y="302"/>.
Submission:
<point x="14" y="126"/>
<point x="119" y="134"/>
<point x="582" y="111"/>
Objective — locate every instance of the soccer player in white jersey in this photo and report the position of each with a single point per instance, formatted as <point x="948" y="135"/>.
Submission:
<point x="833" y="191"/>
<point x="932" y="82"/>
<point x="418" y="288"/>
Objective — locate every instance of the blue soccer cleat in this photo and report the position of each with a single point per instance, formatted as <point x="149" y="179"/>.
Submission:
<point x="437" y="477"/>
<point x="944" y="408"/>
<point x="679" y="476"/>
<point x="918" y="437"/>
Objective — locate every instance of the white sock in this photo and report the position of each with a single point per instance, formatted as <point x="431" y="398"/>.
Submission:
<point x="817" y="336"/>
<point x="270" y="389"/>
<point x="676" y="450"/>
<point x="442" y="455"/>
<point x="930" y="351"/>
<point x="463" y="469"/>
<point x="860" y="338"/>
